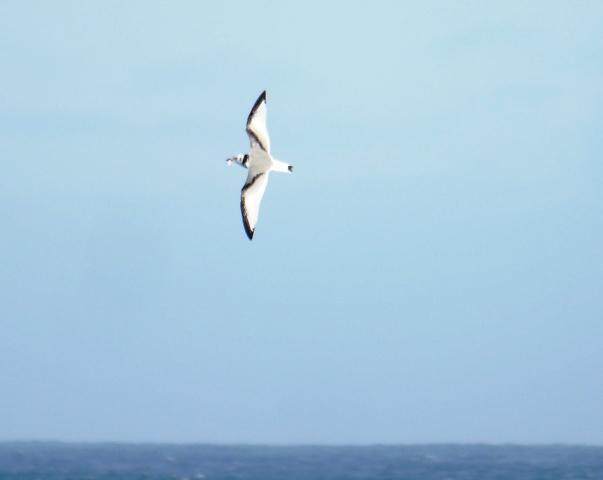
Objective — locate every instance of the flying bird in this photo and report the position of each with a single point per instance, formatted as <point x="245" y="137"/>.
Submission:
<point x="259" y="163"/>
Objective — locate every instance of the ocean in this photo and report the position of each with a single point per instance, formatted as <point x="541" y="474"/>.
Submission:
<point x="108" y="461"/>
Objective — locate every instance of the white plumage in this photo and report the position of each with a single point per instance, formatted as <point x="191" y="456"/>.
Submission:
<point x="259" y="162"/>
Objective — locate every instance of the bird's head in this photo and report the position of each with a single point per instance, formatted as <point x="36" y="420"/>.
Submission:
<point x="240" y="159"/>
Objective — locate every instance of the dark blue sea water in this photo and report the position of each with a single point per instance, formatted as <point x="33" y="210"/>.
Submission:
<point x="57" y="461"/>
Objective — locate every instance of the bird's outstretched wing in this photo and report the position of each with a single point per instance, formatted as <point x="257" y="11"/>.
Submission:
<point x="256" y="124"/>
<point x="251" y="198"/>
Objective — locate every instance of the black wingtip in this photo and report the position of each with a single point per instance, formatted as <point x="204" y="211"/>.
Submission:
<point x="290" y="167"/>
<point x="256" y="105"/>
<point x="248" y="230"/>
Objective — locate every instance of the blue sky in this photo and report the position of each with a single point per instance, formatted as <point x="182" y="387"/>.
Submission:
<point x="431" y="272"/>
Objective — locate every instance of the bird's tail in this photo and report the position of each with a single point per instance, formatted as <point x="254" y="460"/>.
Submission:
<point x="278" y="166"/>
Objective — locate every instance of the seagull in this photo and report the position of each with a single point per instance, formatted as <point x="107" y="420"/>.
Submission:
<point x="259" y="163"/>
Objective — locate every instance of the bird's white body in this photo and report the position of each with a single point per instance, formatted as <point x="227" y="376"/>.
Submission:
<point x="259" y="162"/>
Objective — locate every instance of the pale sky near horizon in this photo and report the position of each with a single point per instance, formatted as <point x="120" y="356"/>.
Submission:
<point x="431" y="272"/>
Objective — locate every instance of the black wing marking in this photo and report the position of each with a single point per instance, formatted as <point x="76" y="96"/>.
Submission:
<point x="256" y="105"/>
<point x="256" y="123"/>
<point x="249" y="230"/>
